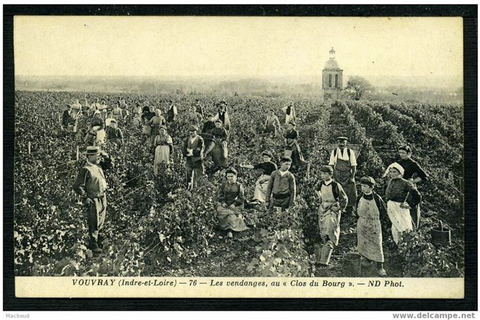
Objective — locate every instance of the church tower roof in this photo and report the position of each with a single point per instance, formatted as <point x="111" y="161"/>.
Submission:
<point x="331" y="63"/>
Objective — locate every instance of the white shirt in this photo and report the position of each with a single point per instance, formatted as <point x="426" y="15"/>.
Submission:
<point x="342" y="155"/>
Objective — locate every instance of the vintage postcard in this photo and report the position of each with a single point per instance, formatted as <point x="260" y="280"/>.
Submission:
<point x="239" y="157"/>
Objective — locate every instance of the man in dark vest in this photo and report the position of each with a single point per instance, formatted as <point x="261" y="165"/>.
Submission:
<point x="344" y="163"/>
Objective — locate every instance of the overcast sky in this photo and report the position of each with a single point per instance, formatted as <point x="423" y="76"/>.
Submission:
<point x="236" y="46"/>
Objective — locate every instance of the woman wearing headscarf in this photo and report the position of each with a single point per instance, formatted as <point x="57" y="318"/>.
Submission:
<point x="401" y="195"/>
<point x="261" y="186"/>
<point x="163" y="147"/>
<point x="230" y="204"/>
<point x="292" y="148"/>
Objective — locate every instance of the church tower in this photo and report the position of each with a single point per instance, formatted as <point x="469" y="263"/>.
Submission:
<point x="332" y="78"/>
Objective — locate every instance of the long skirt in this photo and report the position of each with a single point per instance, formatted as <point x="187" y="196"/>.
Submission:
<point x="295" y="153"/>
<point x="261" y="187"/>
<point x="329" y="224"/>
<point x="162" y="155"/>
<point x="400" y="218"/>
<point x="231" y="219"/>
<point x="219" y="154"/>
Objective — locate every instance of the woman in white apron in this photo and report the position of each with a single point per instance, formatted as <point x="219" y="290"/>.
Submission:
<point x="261" y="185"/>
<point x="401" y="195"/>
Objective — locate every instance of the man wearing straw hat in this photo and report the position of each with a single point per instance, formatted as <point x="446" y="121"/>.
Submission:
<point x="92" y="186"/>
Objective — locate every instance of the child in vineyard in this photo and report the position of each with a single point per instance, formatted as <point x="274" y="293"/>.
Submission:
<point x="370" y="209"/>
<point x="261" y="185"/>
<point x="401" y="196"/>
<point x="230" y="204"/>
<point x="333" y="201"/>
<point x="282" y="187"/>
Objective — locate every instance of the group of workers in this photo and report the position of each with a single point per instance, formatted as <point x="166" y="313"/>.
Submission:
<point x="274" y="189"/>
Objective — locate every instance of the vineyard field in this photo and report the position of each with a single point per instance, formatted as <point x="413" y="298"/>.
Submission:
<point x="155" y="227"/>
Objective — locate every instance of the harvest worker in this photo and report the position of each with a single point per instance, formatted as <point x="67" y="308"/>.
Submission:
<point x="292" y="148"/>
<point x="97" y="120"/>
<point x="401" y="196"/>
<point x="289" y="111"/>
<point x="370" y="209"/>
<point x="333" y="201"/>
<point x="222" y="115"/>
<point x="193" y="148"/>
<point x="163" y="147"/>
<point x="261" y="186"/>
<point x="218" y="146"/>
<point x="155" y="122"/>
<point x="68" y="120"/>
<point x="415" y="174"/>
<point x="344" y="163"/>
<point x="114" y="133"/>
<point x="230" y="204"/>
<point x="172" y="112"/>
<point x="92" y="186"/>
<point x="272" y="124"/>
<point x="281" y="187"/>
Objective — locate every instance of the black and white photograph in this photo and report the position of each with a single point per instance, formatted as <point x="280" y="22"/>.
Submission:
<point x="237" y="156"/>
